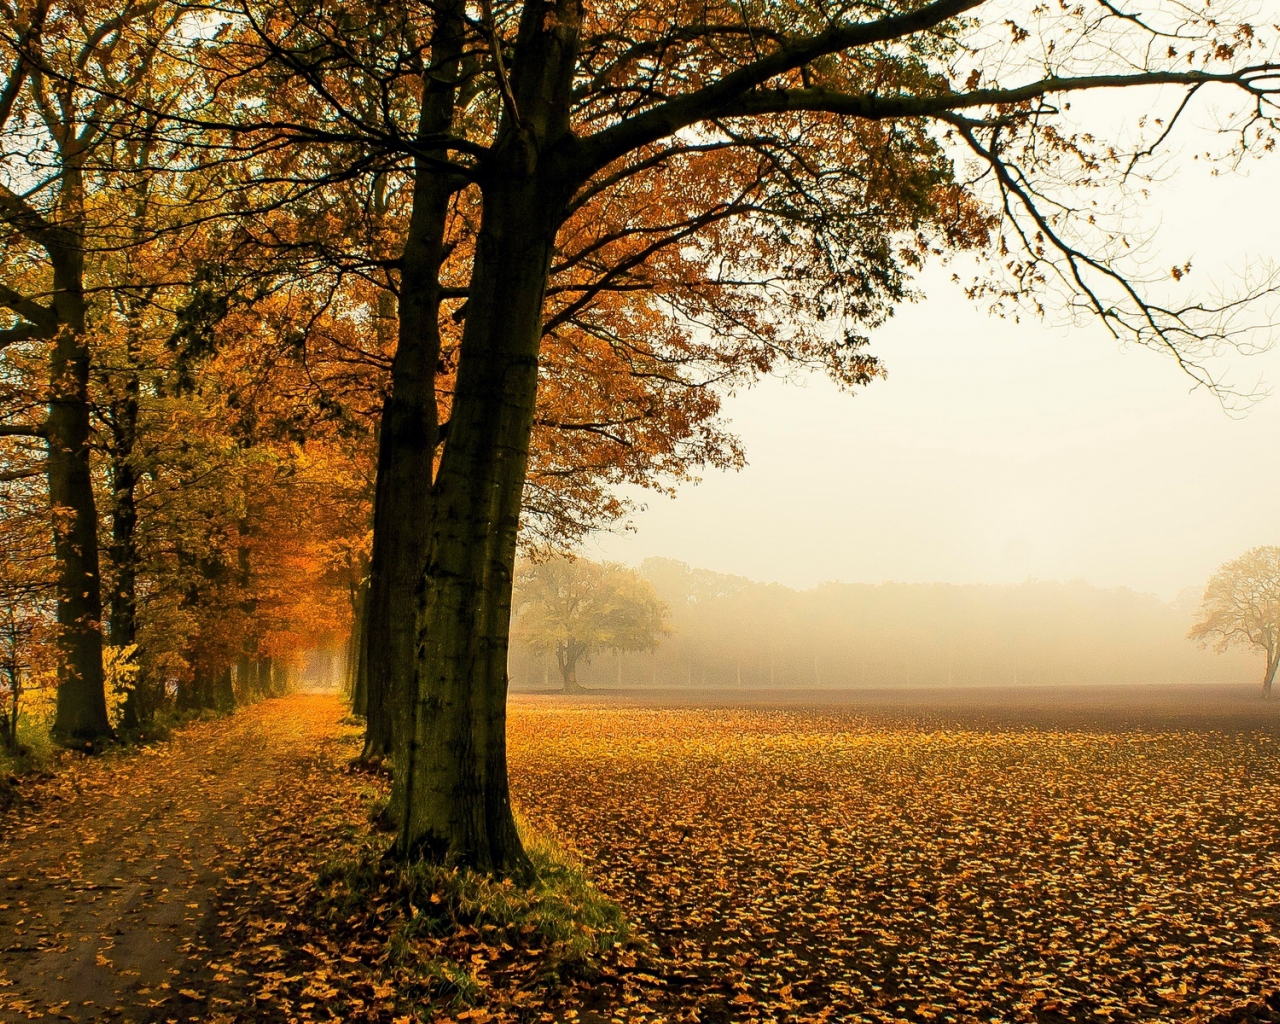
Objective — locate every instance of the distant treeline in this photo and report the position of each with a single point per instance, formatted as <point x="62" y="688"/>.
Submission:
<point x="728" y="631"/>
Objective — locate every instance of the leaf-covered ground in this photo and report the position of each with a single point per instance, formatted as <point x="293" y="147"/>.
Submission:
<point x="807" y="865"/>
<point x="116" y="872"/>
<point x="785" y="863"/>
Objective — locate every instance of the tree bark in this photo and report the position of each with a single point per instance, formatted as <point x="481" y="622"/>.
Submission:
<point x="357" y="675"/>
<point x="410" y="427"/>
<point x="454" y="797"/>
<point x="81" y="716"/>
<point x="224" y="694"/>
<point x="10" y="714"/>
<point x="1273" y="661"/>
<point x="567" y="660"/>
<point x="457" y="807"/>
<point x="123" y="613"/>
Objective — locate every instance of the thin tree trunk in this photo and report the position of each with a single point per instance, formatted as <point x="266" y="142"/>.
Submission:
<point x="243" y="668"/>
<point x="410" y="421"/>
<point x="357" y="677"/>
<point x="81" y="715"/>
<point x="224" y="694"/>
<point x="1273" y="661"/>
<point x="11" y="713"/>
<point x="123" y="615"/>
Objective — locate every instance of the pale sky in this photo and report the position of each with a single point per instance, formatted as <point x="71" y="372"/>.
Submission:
<point x="995" y="452"/>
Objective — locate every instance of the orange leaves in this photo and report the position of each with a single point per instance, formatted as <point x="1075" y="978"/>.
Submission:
<point x="791" y="862"/>
<point x="790" y="865"/>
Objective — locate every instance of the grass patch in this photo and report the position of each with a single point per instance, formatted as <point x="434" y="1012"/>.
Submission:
<point x="460" y="938"/>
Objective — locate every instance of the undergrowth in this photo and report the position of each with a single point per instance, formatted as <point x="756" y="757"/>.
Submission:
<point x="35" y="751"/>
<point x="457" y="936"/>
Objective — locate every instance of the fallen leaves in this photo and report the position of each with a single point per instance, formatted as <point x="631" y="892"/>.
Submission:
<point x="784" y="865"/>
<point x="790" y="863"/>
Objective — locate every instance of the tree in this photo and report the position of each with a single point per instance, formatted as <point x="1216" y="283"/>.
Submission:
<point x="575" y="607"/>
<point x="1241" y="608"/>
<point x="802" y="161"/>
<point x="68" y="78"/>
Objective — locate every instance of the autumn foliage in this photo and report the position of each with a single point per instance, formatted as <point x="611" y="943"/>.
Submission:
<point x="314" y="314"/>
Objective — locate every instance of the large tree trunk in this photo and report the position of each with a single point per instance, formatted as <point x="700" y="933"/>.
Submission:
<point x="454" y="803"/>
<point x="82" y="705"/>
<point x="401" y="504"/>
<point x="457" y="807"/>
<point x="410" y="427"/>
<point x="1273" y="661"/>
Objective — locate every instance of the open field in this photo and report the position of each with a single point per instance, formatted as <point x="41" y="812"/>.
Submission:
<point x="966" y="856"/>
<point x="982" y="856"/>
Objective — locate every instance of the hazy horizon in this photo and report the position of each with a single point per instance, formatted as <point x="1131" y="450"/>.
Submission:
<point x="730" y="631"/>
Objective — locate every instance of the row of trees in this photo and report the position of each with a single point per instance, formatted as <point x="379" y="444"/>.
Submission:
<point x="479" y="264"/>
<point x="731" y="632"/>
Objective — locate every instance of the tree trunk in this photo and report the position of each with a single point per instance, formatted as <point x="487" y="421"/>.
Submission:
<point x="457" y="807"/>
<point x="1273" y="660"/>
<point x="401" y="508"/>
<point x="82" y="704"/>
<point x="185" y="699"/>
<point x="243" y="669"/>
<point x="10" y="722"/>
<point x="224" y="694"/>
<point x="568" y="662"/>
<point x="410" y="420"/>
<point x="123" y="614"/>
<point x="454" y="801"/>
<point x="357" y="679"/>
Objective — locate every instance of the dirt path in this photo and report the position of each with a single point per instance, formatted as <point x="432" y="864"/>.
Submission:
<point x="110" y="878"/>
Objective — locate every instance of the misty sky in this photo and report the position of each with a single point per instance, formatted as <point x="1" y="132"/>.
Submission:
<point x="996" y="451"/>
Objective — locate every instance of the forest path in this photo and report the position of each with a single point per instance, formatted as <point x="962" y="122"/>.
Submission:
<point x="112" y="877"/>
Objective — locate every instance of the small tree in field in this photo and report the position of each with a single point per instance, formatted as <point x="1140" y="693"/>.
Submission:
<point x="575" y="607"/>
<point x="1241" y="608"/>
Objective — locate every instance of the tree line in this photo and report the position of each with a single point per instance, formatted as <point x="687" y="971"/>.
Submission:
<point x="728" y="632"/>
<point x="315" y="312"/>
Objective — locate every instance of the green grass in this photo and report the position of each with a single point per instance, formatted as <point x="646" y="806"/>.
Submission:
<point x="419" y="908"/>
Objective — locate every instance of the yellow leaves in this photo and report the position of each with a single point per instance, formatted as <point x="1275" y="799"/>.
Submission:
<point x="817" y="861"/>
<point x="120" y="671"/>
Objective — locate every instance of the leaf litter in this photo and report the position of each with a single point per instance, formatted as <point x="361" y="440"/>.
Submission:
<point x="777" y="864"/>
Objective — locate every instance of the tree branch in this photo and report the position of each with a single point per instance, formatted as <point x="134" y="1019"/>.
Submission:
<point x="23" y="430"/>
<point x="24" y="332"/>
<point x="876" y="107"/>
<point x="604" y="147"/>
<point x="41" y="316"/>
<point x="9" y="475"/>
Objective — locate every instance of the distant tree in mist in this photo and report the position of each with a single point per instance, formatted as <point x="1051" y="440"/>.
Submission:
<point x="1241" y="608"/>
<point x="729" y="631"/>
<point x="575" y="607"/>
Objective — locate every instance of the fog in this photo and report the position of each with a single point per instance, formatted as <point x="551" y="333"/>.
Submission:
<point x="999" y="450"/>
<point x="730" y="632"/>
